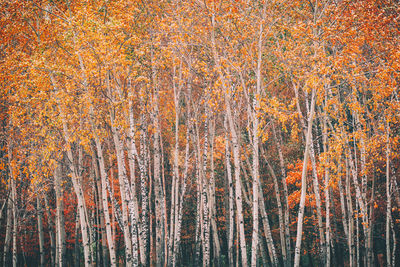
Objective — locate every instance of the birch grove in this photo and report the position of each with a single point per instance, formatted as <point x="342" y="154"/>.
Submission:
<point x="199" y="133"/>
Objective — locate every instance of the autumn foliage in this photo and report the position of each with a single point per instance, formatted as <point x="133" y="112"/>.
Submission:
<point x="214" y="133"/>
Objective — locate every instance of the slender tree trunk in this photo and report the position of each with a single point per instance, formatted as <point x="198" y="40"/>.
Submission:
<point x="278" y="201"/>
<point x="199" y="197"/>
<point x="231" y="212"/>
<point x="59" y="216"/>
<point x="40" y="231"/>
<point x="7" y="239"/>
<point x="278" y="139"/>
<point x="256" y="177"/>
<point x="116" y="208"/>
<point x="175" y="177"/>
<point x="326" y="190"/>
<point x="394" y="242"/>
<point x="14" y="215"/>
<point x="104" y="200"/>
<point x="366" y="218"/>
<point x="126" y="191"/>
<point x="153" y="258"/>
<point x="255" y="152"/>
<point x="206" y="223"/>
<point x="51" y="229"/>
<point x="132" y="153"/>
<point x="314" y="179"/>
<point x="350" y="216"/>
<point x="388" y="201"/>
<point x="267" y="230"/>
<point x="304" y="184"/>
<point x="238" y="190"/>
<point x="81" y="209"/>
<point x="77" y="246"/>
<point x="105" y="255"/>
<point x="262" y="250"/>
<point x="178" y="217"/>
<point x="158" y="186"/>
<point x="342" y="205"/>
<point x="358" y="257"/>
<point x="212" y="202"/>
<point x="143" y="163"/>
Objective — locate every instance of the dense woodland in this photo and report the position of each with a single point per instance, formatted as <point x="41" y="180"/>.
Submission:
<point x="200" y="132"/>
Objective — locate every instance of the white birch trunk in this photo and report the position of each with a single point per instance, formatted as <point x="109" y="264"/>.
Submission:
<point x="288" y="259"/>
<point x="326" y="191"/>
<point x="388" y="201"/>
<point x="205" y="226"/>
<point x="231" y="212"/>
<point x="267" y="231"/>
<point x="314" y="179"/>
<point x="279" y="204"/>
<point x="304" y="184"/>
<point x="255" y="152"/>
<point x="212" y="201"/>
<point x="59" y="216"/>
<point x="8" y="236"/>
<point x="350" y="216"/>
<point x="104" y="199"/>
<point x="132" y="257"/>
<point x="178" y="215"/>
<point x="14" y="211"/>
<point x="175" y="178"/>
<point x="158" y="186"/>
<point x="52" y="229"/>
<point x="40" y="231"/>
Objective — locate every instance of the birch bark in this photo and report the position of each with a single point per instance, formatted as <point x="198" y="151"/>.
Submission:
<point x="40" y="231"/>
<point x="104" y="199"/>
<point x="304" y="184"/>
<point x="231" y="212"/>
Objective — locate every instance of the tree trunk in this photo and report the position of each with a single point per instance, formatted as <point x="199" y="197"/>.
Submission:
<point x="52" y="229"/>
<point x="104" y="200"/>
<point x="7" y="239"/>
<point x="279" y="204"/>
<point x="40" y="232"/>
<point x="76" y="253"/>
<point x="255" y="147"/>
<point x="14" y="215"/>
<point x="304" y="184"/>
<point x="231" y="212"/>
<point x="175" y="176"/>
<point x="178" y="217"/>
<point x="81" y="208"/>
<point x="132" y="153"/>
<point x="206" y="225"/>
<point x="326" y="190"/>
<point x="278" y="139"/>
<point x="158" y="186"/>
<point x="314" y="178"/>
<point x="132" y="257"/>
<point x="267" y="230"/>
<point x="350" y="216"/>
<point x="238" y="189"/>
<point x="59" y="217"/>
<point x="388" y="201"/>
<point x="105" y="255"/>
<point x="212" y="202"/>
